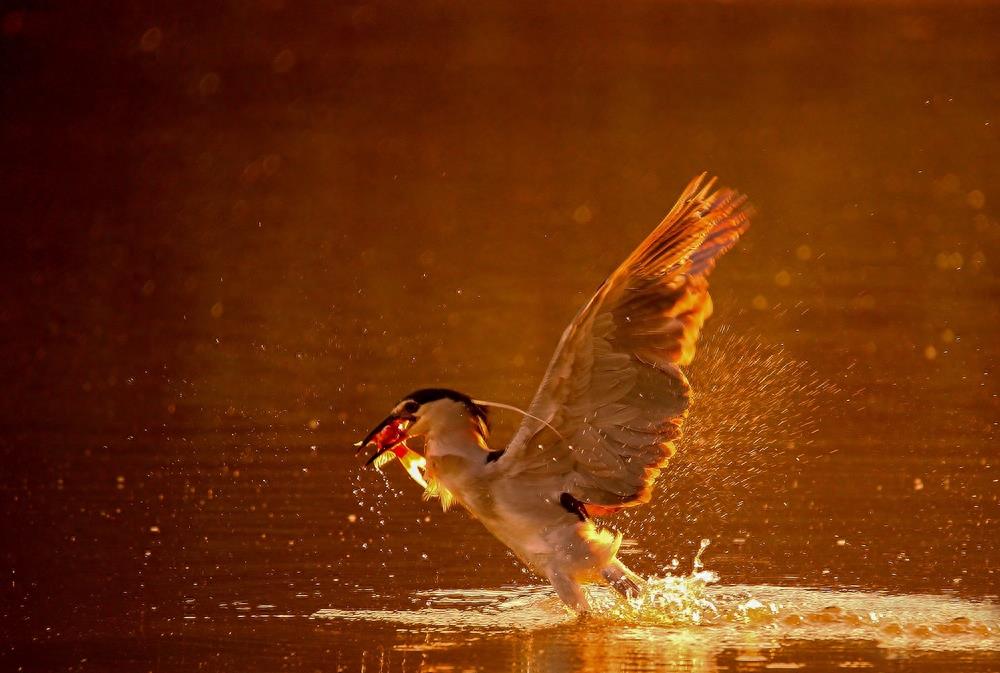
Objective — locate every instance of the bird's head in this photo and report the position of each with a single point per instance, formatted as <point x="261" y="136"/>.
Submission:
<point x="423" y="412"/>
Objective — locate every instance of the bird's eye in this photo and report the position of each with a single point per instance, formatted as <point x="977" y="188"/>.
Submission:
<point x="411" y="407"/>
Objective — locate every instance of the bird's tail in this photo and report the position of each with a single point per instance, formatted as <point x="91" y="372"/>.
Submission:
<point x="623" y="580"/>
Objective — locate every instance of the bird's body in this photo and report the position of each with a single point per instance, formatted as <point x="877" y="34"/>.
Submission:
<point x="522" y="511"/>
<point x="604" y="420"/>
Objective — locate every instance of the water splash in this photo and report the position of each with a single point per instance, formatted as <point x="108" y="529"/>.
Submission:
<point x="695" y="606"/>
<point x="671" y="600"/>
<point x="723" y="616"/>
<point x="753" y="412"/>
<point x="749" y="417"/>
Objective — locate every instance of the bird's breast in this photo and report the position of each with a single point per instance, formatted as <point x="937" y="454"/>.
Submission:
<point x="467" y="483"/>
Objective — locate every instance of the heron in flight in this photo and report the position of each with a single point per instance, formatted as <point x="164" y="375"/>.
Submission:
<point x="604" y="420"/>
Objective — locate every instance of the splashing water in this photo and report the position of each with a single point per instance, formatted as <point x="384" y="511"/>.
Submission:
<point x="668" y="600"/>
<point x="749" y="417"/>
<point x="717" y="616"/>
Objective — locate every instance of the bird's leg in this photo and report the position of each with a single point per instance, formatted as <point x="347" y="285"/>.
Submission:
<point x="569" y="592"/>
<point x="623" y="580"/>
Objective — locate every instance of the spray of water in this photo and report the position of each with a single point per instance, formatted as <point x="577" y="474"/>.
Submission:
<point x="692" y="606"/>
<point x="752" y="416"/>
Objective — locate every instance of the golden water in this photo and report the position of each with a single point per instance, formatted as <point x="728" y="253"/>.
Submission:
<point x="235" y="234"/>
<point x="686" y="622"/>
<point x="718" y="617"/>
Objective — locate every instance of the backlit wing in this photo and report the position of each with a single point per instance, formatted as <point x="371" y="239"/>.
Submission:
<point x="614" y="390"/>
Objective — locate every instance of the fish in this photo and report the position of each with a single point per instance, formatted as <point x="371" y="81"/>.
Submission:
<point x="390" y="444"/>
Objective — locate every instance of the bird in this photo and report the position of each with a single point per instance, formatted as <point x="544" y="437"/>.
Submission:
<point x="604" y="421"/>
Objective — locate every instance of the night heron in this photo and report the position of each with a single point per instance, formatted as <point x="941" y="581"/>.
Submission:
<point x="604" y="420"/>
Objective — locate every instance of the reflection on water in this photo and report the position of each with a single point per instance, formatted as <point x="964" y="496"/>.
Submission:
<point x="685" y="623"/>
<point x="728" y="616"/>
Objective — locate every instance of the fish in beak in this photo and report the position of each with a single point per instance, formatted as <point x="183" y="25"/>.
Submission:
<point x="389" y="438"/>
<point x="385" y="436"/>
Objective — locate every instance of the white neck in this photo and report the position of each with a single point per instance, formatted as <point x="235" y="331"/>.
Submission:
<point x="450" y="429"/>
<point x="458" y="437"/>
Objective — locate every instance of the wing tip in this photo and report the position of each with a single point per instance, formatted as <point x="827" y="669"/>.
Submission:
<point x="701" y="213"/>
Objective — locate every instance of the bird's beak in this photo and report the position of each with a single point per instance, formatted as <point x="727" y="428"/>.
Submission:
<point x="390" y="432"/>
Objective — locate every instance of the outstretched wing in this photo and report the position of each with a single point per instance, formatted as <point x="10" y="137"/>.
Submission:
<point x="614" y="391"/>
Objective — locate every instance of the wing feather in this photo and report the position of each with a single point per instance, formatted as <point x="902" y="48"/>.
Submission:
<point x="614" y="389"/>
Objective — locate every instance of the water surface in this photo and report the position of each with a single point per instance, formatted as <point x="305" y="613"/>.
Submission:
<point x="236" y="235"/>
